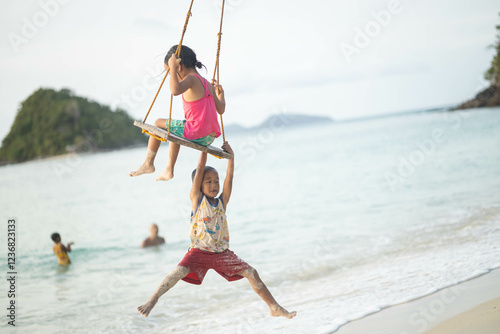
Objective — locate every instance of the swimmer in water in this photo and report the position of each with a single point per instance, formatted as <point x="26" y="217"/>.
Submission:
<point x="60" y="250"/>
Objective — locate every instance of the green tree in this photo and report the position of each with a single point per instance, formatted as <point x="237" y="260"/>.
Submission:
<point x="53" y="122"/>
<point x="493" y="73"/>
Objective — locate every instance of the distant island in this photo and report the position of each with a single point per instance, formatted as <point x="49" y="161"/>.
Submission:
<point x="489" y="97"/>
<point x="51" y="122"/>
<point x="281" y="121"/>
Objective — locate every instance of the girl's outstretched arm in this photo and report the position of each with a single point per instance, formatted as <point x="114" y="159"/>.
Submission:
<point x="67" y="248"/>
<point x="198" y="179"/>
<point x="228" y="182"/>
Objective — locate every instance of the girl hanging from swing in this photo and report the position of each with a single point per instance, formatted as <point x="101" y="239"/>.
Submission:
<point x="201" y="103"/>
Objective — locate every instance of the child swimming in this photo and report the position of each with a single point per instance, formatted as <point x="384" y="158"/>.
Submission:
<point x="210" y="240"/>
<point x="60" y="250"/>
<point x="201" y="103"/>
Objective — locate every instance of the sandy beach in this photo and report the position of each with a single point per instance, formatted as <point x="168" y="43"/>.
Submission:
<point x="484" y="318"/>
<point x="471" y="307"/>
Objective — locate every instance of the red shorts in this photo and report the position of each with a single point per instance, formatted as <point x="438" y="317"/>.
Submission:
<point x="227" y="264"/>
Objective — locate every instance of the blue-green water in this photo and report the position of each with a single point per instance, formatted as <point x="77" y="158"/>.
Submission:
<point x="344" y="221"/>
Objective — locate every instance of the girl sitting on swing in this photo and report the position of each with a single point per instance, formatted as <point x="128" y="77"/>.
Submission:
<point x="201" y="103"/>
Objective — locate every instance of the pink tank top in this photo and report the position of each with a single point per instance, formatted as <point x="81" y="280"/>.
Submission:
<point x="201" y="115"/>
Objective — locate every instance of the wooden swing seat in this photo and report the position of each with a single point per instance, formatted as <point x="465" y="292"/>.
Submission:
<point x="163" y="135"/>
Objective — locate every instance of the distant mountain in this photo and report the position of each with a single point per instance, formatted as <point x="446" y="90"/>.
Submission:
<point x="294" y="120"/>
<point x="51" y="122"/>
<point x="282" y="121"/>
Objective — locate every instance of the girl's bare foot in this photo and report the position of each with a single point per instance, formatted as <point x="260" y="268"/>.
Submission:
<point x="144" y="169"/>
<point x="146" y="308"/>
<point x="166" y="175"/>
<point x="278" y="311"/>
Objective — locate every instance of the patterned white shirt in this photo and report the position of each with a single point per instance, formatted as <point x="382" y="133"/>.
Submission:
<point x="209" y="231"/>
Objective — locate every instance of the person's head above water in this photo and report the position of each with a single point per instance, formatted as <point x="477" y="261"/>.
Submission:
<point x="153" y="229"/>
<point x="187" y="56"/>
<point x="55" y="237"/>
<point x="210" y="183"/>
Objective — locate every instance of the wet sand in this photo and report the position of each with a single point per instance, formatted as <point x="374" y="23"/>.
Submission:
<point x="471" y="307"/>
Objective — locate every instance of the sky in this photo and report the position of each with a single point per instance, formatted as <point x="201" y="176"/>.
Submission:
<point x="343" y="59"/>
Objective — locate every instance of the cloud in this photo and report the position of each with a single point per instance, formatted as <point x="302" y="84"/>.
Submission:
<point x="151" y="20"/>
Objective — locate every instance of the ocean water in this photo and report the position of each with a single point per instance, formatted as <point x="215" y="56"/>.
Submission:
<point x="340" y="223"/>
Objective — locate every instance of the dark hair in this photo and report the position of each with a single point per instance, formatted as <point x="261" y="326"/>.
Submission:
<point x="207" y="168"/>
<point x="188" y="57"/>
<point x="55" y="236"/>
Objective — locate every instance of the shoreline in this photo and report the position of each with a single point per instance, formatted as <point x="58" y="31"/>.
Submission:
<point x="439" y="312"/>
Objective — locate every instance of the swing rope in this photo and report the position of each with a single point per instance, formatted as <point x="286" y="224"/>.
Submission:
<point x="177" y="53"/>
<point x="216" y="67"/>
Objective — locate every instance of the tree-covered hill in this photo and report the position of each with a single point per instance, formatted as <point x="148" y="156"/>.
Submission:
<point x="490" y="96"/>
<point x="51" y="122"/>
